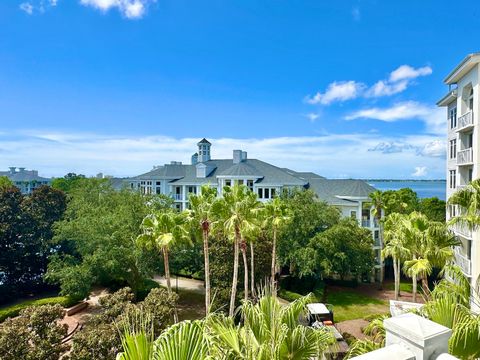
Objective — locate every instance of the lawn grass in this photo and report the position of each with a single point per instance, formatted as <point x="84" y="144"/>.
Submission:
<point x="14" y="310"/>
<point x="350" y="305"/>
<point x="404" y="286"/>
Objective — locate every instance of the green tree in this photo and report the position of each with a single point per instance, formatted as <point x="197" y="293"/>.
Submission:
<point x="34" y="335"/>
<point x="402" y="201"/>
<point x="309" y="217"/>
<point x="275" y="217"/>
<point x="161" y="231"/>
<point x="5" y="182"/>
<point x="237" y="221"/>
<point x="345" y="249"/>
<point x="433" y="208"/>
<point x="203" y="211"/>
<point x="97" y="240"/>
<point x="68" y="182"/>
<point x="468" y="201"/>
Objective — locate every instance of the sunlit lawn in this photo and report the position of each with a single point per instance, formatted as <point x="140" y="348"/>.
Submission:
<point x="349" y="305"/>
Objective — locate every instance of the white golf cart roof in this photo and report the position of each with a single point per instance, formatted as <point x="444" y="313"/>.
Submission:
<point x="317" y="309"/>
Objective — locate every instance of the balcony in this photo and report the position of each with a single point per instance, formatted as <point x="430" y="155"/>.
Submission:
<point x="465" y="157"/>
<point x="366" y="223"/>
<point x="462" y="230"/>
<point x="177" y="197"/>
<point x="463" y="262"/>
<point x="465" y="122"/>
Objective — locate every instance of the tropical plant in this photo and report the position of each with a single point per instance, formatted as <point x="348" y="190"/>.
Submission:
<point x="202" y="208"/>
<point x="161" y="231"/>
<point x="275" y="216"/>
<point x="468" y="199"/>
<point x="378" y="210"/>
<point x="238" y="221"/>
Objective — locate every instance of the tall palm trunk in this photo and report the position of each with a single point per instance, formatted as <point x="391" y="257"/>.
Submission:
<point x="233" y="293"/>
<point x="166" y="264"/>
<point x="395" y="275"/>
<point x="205" y="227"/>
<point x="243" y="248"/>
<point x="252" y="270"/>
<point x="414" y="290"/>
<point x="382" y="263"/>
<point x="274" y="257"/>
<point x="425" y="288"/>
<point x="399" y="273"/>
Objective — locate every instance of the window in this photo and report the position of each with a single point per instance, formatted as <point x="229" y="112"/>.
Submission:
<point x="158" y="190"/>
<point x="250" y="184"/>
<point x="192" y="189"/>
<point x="470" y="174"/>
<point x="228" y="182"/>
<point x="470" y="100"/>
<point x="353" y="214"/>
<point x="469" y="142"/>
<point x="453" y="118"/>
<point x="453" y="179"/>
<point x="260" y="193"/>
<point x="266" y="193"/>
<point x="158" y="183"/>
<point x="453" y="149"/>
<point x="272" y="193"/>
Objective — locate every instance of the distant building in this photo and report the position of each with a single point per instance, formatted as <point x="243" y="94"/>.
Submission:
<point x="179" y="180"/>
<point x="463" y="153"/>
<point x="25" y="180"/>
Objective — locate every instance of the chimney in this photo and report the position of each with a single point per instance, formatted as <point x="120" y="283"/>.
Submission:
<point x="195" y="159"/>
<point x="12" y="169"/>
<point x="21" y="169"/>
<point x="237" y="156"/>
<point x="244" y="155"/>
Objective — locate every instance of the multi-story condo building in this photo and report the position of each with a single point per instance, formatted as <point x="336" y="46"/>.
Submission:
<point x="179" y="180"/>
<point x="463" y="152"/>
<point x="25" y="180"/>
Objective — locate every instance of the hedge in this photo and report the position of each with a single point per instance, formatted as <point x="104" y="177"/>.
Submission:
<point x="14" y="310"/>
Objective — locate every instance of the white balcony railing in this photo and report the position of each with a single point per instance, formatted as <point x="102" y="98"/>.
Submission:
<point x="462" y="230"/>
<point x="465" y="121"/>
<point x="465" y="156"/>
<point x="366" y="223"/>
<point x="177" y="197"/>
<point x="462" y="261"/>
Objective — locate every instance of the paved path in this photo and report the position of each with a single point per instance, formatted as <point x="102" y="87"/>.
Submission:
<point x="183" y="283"/>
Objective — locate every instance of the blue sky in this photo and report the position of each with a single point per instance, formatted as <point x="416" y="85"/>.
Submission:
<point x="343" y="88"/>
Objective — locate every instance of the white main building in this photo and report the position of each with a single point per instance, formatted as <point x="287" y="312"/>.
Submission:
<point x="463" y="151"/>
<point x="179" y="180"/>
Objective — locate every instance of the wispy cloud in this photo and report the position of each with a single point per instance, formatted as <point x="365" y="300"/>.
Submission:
<point x="130" y="9"/>
<point x="433" y="117"/>
<point x="420" y="171"/>
<point x="397" y="82"/>
<point x="26" y="7"/>
<point x="331" y="155"/>
<point x="312" y="116"/>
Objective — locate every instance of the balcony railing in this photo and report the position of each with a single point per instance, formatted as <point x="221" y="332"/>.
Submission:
<point x="462" y="230"/>
<point x="462" y="261"/>
<point x="465" y="121"/>
<point x="366" y="223"/>
<point x="177" y="197"/>
<point x="465" y="156"/>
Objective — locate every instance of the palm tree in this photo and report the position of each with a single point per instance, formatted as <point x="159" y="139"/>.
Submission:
<point x="238" y="222"/>
<point x="161" y="231"/>
<point x="468" y="199"/>
<point x="378" y="205"/>
<point x="275" y="216"/>
<point x="203" y="212"/>
<point x="394" y="246"/>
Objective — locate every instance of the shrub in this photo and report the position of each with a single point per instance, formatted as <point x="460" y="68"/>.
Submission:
<point x="145" y="289"/>
<point x="14" y="310"/>
<point x="34" y="335"/>
<point x="159" y="305"/>
<point x="349" y="338"/>
<point x="288" y="295"/>
<point x="99" y="342"/>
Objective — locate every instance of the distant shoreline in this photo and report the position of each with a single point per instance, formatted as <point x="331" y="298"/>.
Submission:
<point x="404" y="180"/>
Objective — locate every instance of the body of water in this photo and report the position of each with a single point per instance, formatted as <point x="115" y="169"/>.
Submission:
<point x="424" y="189"/>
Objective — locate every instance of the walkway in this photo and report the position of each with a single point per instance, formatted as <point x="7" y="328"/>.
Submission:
<point x="182" y="283"/>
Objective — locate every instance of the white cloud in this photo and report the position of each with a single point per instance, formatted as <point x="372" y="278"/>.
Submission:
<point x="435" y="148"/>
<point x="406" y="72"/>
<point x="131" y="9"/>
<point x="420" y="171"/>
<point x="331" y="155"/>
<point x="27" y="8"/>
<point x="312" y="116"/>
<point x="398" y="81"/>
<point x="337" y="91"/>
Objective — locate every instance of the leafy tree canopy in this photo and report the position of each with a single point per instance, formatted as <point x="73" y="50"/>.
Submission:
<point x="68" y="182"/>
<point x="5" y="182"/>
<point x="433" y="208"/>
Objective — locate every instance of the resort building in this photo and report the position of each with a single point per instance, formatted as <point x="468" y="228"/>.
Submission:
<point x="463" y="152"/>
<point x="25" y="180"/>
<point x="180" y="180"/>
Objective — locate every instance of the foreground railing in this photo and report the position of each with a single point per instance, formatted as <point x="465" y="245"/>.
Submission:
<point x="463" y="262"/>
<point x="465" y="121"/>
<point x="465" y="156"/>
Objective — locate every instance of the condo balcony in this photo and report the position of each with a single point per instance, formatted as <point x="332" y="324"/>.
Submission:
<point x="463" y="262"/>
<point x="177" y="197"/>
<point x="465" y="157"/>
<point x="462" y="230"/>
<point x="465" y="122"/>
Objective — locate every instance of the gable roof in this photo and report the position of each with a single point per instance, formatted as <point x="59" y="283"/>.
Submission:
<point x="341" y="191"/>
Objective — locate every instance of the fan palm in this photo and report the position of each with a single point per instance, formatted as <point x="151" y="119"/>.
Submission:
<point x="238" y="221"/>
<point x="161" y="231"/>
<point x="468" y="199"/>
<point x="203" y="211"/>
<point x="275" y="216"/>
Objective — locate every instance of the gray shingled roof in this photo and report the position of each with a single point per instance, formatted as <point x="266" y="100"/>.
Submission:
<point x="24" y="176"/>
<point x="241" y="169"/>
<point x="337" y="191"/>
<point x="167" y="171"/>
